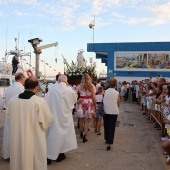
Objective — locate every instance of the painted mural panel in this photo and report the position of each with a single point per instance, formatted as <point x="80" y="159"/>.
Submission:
<point x="142" y="61"/>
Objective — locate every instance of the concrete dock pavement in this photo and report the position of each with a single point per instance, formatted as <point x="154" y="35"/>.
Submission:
<point x="137" y="146"/>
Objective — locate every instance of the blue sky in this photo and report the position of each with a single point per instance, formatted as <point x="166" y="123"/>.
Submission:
<point x="66" y="22"/>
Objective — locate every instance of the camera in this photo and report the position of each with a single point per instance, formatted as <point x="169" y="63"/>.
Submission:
<point x="35" y="41"/>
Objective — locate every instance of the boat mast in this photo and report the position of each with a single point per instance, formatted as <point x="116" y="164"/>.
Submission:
<point x="44" y="70"/>
<point x="18" y="43"/>
<point x="6" y="53"/>
<point x="30" y="50"/>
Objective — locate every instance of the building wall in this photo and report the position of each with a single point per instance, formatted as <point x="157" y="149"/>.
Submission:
<point x="106" y="51"/>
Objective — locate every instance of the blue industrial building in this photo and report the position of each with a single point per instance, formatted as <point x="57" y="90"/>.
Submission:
<point x="150" y="58"/>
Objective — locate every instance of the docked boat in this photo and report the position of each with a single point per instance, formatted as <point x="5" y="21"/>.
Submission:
<point x="6" y="77"/>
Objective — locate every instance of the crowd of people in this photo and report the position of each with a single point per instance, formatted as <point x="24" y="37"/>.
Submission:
<point x="39" y="130"/>
<point x="151" y="95"/>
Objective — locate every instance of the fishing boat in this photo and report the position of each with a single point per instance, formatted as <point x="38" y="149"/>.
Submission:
<point x="6" y="77"/>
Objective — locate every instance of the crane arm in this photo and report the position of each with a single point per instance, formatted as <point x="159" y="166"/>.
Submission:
<point x="46" y="46"/>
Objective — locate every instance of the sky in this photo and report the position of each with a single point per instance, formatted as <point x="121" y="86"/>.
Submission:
<point x="67" y="22"/>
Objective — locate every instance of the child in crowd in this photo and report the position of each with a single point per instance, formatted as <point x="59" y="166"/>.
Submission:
<point x="99" y="110"/>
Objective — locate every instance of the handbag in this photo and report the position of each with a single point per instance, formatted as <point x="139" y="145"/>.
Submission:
<point x="100" y="109"/>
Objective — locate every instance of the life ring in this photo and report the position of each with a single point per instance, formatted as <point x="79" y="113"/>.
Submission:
<point x="29" y="73"/>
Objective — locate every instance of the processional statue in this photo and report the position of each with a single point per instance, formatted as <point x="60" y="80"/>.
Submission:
<point x="80" y="59"/>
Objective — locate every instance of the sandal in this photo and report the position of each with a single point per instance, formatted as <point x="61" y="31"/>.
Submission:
<point x="84" y="139"/>
<point x="108" y="148"/>
<point x="81" y="135"/>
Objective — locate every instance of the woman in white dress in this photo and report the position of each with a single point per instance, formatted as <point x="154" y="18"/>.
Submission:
<point x="86" y="104"/>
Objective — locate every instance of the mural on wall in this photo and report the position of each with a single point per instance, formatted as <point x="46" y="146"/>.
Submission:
<point x="142" y="60"/>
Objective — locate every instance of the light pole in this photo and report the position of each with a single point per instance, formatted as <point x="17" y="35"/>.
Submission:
<point x="91" y="26"/>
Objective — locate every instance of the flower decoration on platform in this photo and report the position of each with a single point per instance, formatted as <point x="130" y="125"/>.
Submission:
<point x="73" y="71"/>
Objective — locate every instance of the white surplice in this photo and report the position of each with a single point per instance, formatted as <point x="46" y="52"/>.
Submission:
<point x="28" y="121"/>
<point x="61" y="135"/>
<point x="13" y="90"/>
<point x="10" y="92"/>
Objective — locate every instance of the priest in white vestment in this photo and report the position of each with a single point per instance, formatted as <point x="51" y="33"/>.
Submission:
<point x="11" y="91"/>
<point x="16" y="88"/>
<point x="29" y="117"/>
<point x="61" y="136"/>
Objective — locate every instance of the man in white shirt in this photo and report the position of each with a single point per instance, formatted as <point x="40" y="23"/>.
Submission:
<point x="136" y="88"/>
<point x="43" y="87"/>
<point x="97" y="85"/>
<point x="56" y="83"/>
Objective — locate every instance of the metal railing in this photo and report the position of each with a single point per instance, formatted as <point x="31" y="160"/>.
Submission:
<point x="157" y="113"/>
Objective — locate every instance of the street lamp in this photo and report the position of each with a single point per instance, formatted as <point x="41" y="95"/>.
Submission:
<point x="91" y="26"/>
